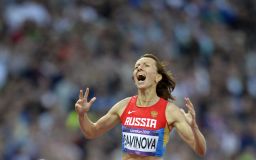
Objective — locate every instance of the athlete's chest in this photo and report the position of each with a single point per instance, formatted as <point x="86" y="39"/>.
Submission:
<point x="148" y="117"/>
<point x="144" y="117"/>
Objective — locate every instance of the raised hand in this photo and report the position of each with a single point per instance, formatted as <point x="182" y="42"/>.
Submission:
<point x="191" y="114"/>
<point x="82" y="105"/>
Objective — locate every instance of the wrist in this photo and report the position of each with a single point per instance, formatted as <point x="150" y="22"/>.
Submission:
<point x="81" y="115"/>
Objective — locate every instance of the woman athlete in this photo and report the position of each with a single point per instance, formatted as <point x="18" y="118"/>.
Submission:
<point x="146" y="118"/>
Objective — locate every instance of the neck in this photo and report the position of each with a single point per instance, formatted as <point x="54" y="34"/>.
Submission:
<point x="147" y="98"/>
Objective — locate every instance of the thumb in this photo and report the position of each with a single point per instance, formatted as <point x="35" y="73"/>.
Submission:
<point x="91" y="102"/>
<point x="182" y="110"/>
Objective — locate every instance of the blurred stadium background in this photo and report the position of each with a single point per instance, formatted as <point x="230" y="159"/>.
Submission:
<point x="49" y="49"/>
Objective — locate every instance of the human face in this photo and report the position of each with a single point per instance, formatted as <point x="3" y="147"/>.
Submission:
<point x="145" y="73"/>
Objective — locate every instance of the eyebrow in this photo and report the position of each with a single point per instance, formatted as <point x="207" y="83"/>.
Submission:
<point x="147" y="63"/>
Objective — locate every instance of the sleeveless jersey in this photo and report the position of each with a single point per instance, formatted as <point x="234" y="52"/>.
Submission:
<point x="144" y="129"/>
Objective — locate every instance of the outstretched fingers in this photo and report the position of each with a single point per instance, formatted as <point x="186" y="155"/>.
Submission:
<point x="82" y="104"/>
<point x="190" y="106"/>
<point x="84" y="96"/>
<point x="81" y="94"/>
<point x="86" y="93"/>
<point x="189" y="103"/>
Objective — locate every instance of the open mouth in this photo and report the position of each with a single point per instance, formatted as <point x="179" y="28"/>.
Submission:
<point x="141" y="78"/>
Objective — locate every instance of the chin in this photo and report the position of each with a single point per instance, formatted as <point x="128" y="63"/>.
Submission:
<point x="139" y="86"/>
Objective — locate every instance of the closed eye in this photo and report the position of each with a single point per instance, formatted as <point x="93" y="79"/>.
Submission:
<point x="142" y="65"/>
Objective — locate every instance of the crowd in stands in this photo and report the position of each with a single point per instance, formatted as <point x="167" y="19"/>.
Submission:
<point x="49" y="49"/>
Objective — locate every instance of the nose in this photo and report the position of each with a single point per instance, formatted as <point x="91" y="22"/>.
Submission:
<point x="140" y="67"/>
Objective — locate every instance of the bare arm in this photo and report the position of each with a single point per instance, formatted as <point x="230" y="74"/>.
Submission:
<point x="186" y="127"/>
<point x="92" y="130"/>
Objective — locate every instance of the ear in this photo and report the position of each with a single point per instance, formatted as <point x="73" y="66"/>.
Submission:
<point x="158" y="78"/>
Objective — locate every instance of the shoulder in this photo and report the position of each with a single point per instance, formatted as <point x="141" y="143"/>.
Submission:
<point x="173" y="112"/>
<point x="171" y="107"/>
<point x="123" y="102"/>
<point x="120" y="105"/>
